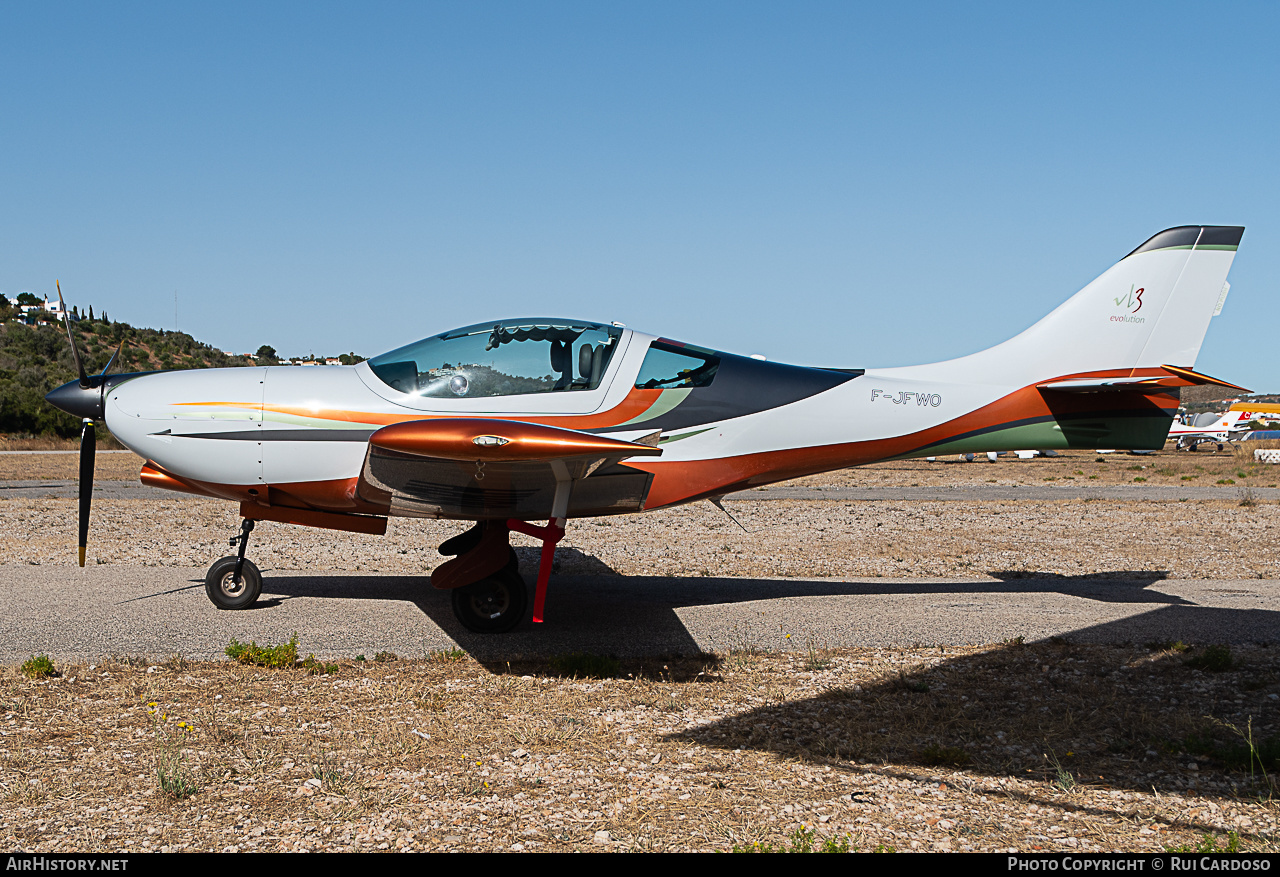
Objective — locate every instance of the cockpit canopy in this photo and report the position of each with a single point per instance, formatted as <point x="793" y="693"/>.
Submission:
<point x="509" y="358"/>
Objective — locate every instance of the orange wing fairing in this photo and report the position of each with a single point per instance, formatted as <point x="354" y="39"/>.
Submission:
<point x="492" y="439"/>
<point x="373" y="526"/>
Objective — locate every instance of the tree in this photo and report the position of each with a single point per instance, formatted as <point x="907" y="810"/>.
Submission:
<point x="266" y="353"/>
<point x="27" y="298"/>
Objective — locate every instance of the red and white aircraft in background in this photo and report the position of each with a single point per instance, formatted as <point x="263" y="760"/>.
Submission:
<point x="1192" y="430"/>
<point x="511" y="421"/>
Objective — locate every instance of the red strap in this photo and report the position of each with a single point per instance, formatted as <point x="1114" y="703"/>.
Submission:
<point x="550" y="535"/>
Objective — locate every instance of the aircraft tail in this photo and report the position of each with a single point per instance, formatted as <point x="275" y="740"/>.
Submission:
<point x="1151" y="309"/>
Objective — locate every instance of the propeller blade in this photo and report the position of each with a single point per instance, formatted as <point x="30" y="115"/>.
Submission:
<point x="112" y="360"/>
<point x="75" y="354"/>
<point x="88" y="444"/>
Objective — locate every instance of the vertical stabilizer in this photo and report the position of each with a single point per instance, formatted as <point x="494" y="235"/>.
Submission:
<point x="1151" y="308"/>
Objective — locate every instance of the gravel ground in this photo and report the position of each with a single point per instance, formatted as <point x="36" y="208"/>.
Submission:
<point x="1195" y="539"/>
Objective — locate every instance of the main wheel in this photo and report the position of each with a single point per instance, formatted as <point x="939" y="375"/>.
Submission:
<point x="492" y="605"/>
<point x="225" y="593"/>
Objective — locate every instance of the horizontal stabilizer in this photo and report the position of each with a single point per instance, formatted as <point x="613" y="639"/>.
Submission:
<point x="1256" y="407"/>
<point x="1172" y="378"/>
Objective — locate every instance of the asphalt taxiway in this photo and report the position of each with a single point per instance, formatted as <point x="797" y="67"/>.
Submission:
<point x="104" y="610"/>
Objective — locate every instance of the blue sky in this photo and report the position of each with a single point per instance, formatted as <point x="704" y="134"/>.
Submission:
<point x="826" y="183"/>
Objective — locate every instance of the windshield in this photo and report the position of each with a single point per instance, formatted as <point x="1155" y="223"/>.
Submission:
<point x="509" y="358"/>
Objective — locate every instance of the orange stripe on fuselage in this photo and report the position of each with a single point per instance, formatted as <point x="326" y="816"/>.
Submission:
<point x="677" y="482"/>
<point x="636" y="403"/>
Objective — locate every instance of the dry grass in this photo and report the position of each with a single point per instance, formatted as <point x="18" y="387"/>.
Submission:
<point x="15" y="442"/>
<point x="1045" y="746"/>
<point x="66" y="467"/>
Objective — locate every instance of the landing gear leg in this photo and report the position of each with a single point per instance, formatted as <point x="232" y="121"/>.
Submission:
<point x="234" y="582"/>
<point x="552" y="533"/>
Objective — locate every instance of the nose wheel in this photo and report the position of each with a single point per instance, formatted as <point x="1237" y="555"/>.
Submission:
<point x="234" y="582"/>
<point x="227" y="593"/>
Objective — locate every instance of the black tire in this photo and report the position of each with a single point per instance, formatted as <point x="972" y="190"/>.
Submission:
<point x="492" y="605"/>
<point x="224" y="593"/>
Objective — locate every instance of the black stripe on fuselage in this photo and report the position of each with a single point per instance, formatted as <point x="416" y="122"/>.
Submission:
<point x="743" y="386"/>
<point x="281" y="435"/>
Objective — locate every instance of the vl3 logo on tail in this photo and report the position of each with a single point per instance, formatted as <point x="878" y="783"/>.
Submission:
<point x="1132" y="303"/>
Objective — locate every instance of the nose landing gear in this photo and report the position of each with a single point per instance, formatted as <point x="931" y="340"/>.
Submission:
<point x="234" y="582"/>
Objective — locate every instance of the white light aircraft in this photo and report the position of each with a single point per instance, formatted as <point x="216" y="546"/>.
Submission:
<point x="1209" y="428"/>
<point x="507" y="422"/>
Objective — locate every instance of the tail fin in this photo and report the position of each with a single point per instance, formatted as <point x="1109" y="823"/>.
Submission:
<point x="1150" y="309"/>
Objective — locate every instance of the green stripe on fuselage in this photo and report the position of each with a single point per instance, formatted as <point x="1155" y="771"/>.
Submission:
<point x="666" y="400"/>
<point x="1138" y="433"/>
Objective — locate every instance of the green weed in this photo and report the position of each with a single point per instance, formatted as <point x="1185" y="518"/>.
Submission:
<point x="805" y="840"/>
<point x="318" y="668"/>
<point x="334" y="777"/>
<point x="38" y="667"/>
<point x="1165" y="645"/>
<point x="444" y="656"/>
<point x="1209" y="844"/>
<point x="172" y="773"/>
<point x="1062" y="778"/>
<point x="1214" y="659"/>
<point x="281" y="657"/>
<point x="815" y="659"/>
<point x="1257" y="756"/>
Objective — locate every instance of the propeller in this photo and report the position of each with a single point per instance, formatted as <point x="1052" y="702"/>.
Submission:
<point x="88" y="451"/>
<point x="83" y="397"/>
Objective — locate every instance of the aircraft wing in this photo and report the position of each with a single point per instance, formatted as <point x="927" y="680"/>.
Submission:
<point x="481" y="468"/>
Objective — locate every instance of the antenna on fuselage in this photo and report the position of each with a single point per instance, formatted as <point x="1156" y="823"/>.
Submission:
<point x="718" y="502"/>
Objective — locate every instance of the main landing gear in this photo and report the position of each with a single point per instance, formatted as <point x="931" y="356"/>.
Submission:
<point x="234" y="582"/>
<point x="489" y="594"/>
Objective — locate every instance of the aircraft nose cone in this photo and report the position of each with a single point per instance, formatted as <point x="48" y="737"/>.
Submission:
<point x="83" y="402"/>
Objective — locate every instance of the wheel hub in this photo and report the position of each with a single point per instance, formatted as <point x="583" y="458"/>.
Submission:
<point x="230" y="586"/>
<point x="491" y="603"/>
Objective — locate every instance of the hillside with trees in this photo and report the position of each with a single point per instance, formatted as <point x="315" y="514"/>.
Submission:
<point x="35" y="359"/>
